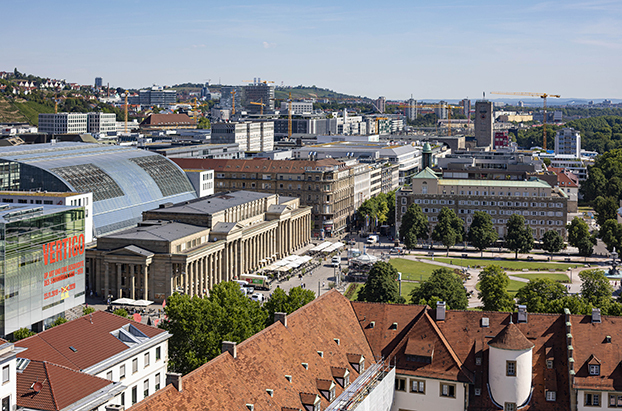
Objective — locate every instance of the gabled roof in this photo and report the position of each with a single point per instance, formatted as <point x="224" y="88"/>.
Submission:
<point x="258" y="165"/>
<point x="426" y="173"/>
<point x="167" y="119"/>
<point x="510" y="338"/>
<point x="89" y="335"/>
<point x="60" y="387"/>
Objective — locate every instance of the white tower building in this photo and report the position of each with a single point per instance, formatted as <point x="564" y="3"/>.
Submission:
<point x="510" y="368"/>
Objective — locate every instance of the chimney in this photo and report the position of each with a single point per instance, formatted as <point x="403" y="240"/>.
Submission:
<point x="282" y="317"/>
<point x="522" y="314"/>
<point x="595" y="315"/>
<point x="230" y="347"/>
<point x="440" y="311"/>
<point x="175" y="379"/>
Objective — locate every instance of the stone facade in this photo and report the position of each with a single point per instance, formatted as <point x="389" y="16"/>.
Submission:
<point x="192" y="246"/>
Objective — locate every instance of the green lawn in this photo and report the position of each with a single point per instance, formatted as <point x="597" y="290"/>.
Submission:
<point x="406" y="289"/>
<point x="512" y="287"/>
<point x="509" y="265"/>
<point x="413" y="270"/>
<point x="562" y="278"/>
<point x="31" y="110"/>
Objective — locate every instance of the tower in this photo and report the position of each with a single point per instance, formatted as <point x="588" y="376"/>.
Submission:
<point x="426" y="156"/>
<point x="483" y="123"/>
<point x="411" y="109"/>
<point x="510" y="366"/>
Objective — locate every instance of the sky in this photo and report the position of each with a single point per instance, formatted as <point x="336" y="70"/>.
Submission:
<point x="430" y="49"/>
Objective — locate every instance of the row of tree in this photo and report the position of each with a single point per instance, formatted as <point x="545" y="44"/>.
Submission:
<point x="449" y="231"/>
<point x="380" y="208"/>
<point x="198" y="326"/>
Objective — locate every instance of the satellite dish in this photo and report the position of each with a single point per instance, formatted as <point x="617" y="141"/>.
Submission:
<point x="37" y="386"/>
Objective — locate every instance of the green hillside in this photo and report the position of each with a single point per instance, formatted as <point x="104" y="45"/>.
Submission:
<point x="9" y="113"/>
<point x="31" y="110"/>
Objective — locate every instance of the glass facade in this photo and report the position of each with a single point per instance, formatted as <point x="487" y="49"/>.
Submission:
<point x="42" y="267"/>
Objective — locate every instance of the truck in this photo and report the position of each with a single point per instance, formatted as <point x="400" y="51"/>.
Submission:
<point x="373" y="239"/>
<point x="257" y="281"/>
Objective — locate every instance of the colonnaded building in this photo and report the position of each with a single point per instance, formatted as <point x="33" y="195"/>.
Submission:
<point x="191" y="246"/>
<point x="544" y="207"/>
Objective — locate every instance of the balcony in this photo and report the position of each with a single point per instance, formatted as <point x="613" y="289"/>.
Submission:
<point x="372" y="390"/>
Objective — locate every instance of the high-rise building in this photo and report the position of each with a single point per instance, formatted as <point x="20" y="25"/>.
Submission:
<point x="502" y="140"/>
<point x="101" y="123"/>
<point x="250" y="136"/>
<point x="466" y="107"/>
<point x="259" y="92"/>
<point x="441" y="110"/>
<point x="568" y="141"/>
<point x="98" y="82"/>
<point x="483" y="123"/>
<point x="411" y="109"/>
<point x="380" y="104"/>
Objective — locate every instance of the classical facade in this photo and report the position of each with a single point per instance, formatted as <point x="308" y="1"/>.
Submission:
<point x="544" y="207"/>
<point x="191" y="246"/>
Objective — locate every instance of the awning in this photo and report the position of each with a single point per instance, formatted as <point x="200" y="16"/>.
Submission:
<point x="134" y="303"/>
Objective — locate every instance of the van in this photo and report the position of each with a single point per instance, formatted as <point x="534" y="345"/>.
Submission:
<point x="373" y="239"/>
<point x="336" y="261"/>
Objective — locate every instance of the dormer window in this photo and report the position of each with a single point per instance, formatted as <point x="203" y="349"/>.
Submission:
<point x="594" y="369"/>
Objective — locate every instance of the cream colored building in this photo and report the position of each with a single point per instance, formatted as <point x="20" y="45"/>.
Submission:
<point x="191" y="246"/>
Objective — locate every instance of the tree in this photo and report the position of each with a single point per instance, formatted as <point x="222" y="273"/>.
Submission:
<point x="538" y="294"/>
<point x="22" y="333"/>
<point x="493" y="283"/>
<point x="204" y="123"/>
<point x="606" y="209"/>
<point x="381" y="285"/>
<point x="120" y="312"/>
<point x="280" y="302"/>
<point x="198" y="326"/>
<point x="595" y="287"/>
<point x="58" y="321"/>
<point x="88" y="310"/>
<point x="414" y="226"/>
<point x="443" y="285"/>
<point x="449" y="228"/>
<point x="482" y="233"/>
<point x="518" y="237"/>
<point x="547" y="161"/>
<point x="552" y="242"/>
<point x="577" y="229"/>
<point x="611" y="234"/>
<point x="586" y="246"/>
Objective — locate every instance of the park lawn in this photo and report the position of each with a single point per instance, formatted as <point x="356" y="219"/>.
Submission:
<point x="354" y="295"/>
<point x="508" y="265"/>
<point x="407" y="287"/>
<point x="562" y="278"/>
<point x="512" y="288"/>
<point x="413" y="270"/>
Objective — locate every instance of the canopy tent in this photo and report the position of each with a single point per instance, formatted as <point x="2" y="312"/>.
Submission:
<point x="133" y="303"/>
<point x="321" y="246"/>
<point x="334" y="247"/>
<point x="365" y="259"/>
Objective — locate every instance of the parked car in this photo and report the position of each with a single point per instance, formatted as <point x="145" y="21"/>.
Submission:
<point x="257" y="297"/>
<point x="336" y="261"/>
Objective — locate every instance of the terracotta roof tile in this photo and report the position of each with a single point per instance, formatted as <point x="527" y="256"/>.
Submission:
<point x="255" y="165"/>
<point x="89" y="335"/>
<point x="167" y="120"/>
<point x="510" y="338"/>
<point x="61" y="386"/>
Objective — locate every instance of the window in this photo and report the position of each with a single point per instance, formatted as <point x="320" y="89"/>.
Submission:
<point x="448" y="390"/>
<point x="146" y="364"/>
<point x="592" y="398"/>
<point x="5" y="374"/>
<point x="615" y="401"/>
<point x="549" y="364"/>
<point x="551" y="395"/>
<point x="158" y="354"/>
<point x="594" y="369"/>
<point x="6" y="403"/>
<point x="123" y="399"/>
<point x="510" y="368"/>
<point x="146" y="388"/>
<point x="509" y="406"/>
<point x="134" y="365"/>
<point x="478" y="392"/>
<point x="400" y="384"/>
<point x="122" y="372"/>
<point x="109" y="375"/>
<point x="134" y="394"/>
<point x="157" y="381"/>
<point x="478" y="360"/>
<point x="417" y="386"/>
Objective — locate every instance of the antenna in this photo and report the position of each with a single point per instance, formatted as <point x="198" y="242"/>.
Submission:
<point x="484" y="93"/>
<point x="91" y="318"/>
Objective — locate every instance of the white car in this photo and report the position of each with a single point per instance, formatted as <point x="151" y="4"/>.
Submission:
<point x="257" y="297"/>
<point x="336" y="261"/>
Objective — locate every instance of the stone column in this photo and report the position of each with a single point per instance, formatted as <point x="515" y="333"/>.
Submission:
<point x="146" y="286"/>
<point x="132" y="282"/>
<point x="107" y="281"/>
<point x="119" y="290"/>
<point x="186" y="274"/>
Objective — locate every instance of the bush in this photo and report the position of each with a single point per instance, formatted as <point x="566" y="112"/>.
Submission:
<point x="22" y="333"/>
<point x="88" y="310"/>
<point x="120" y="312"/>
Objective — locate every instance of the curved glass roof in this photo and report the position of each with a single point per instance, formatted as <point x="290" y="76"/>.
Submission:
<point x="125" y="181"/>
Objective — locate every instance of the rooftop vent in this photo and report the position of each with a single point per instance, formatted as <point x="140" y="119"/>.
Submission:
<point x="174" y="379"/>
<point x="304" y="364"/>
<point x="231" y="347"/>
<point x="336" y="340"/>
<point x="72" y="348"/>
<point x="288" y="378"/>
<point x="282" y="317"/>
<point x="595" y="315"/>
<point x="321" y="353"/>
<point x="522" y="314"/>
<point x="270" y="392"/>
<point x="440" y="310"/>
<point x="485" y="322"/>
<point x="608" y="339"/>
<point x="372" y="324"/>
<point x="250" y="407"/>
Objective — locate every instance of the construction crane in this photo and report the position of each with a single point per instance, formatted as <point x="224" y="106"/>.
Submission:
<point x="257" y="82"/>
<point x="259" y="104"/>
<point x="233" y="102"/>
<point x="543" y="96"/>
<point x="126" y="93"/>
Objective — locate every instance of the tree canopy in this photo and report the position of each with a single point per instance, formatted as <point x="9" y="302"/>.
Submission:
<point x="552" y="242"/>
<point x="381" y="207"/>
<point x="281" y="302"/>
<point x="414" y="226"/>
<point x="538" y="294"/>
<point x="579" y="236"/>
<point x="595" y="287"/>
<point x="518" y="237"/>
<point x="604" y="176"/>
<point x="443" y="285"/>
<point x="611" y="234"/>
<point x="381" y="285"/>
<point x="482" y="233"/>
<point x="449" y="229"/>
<point x="493" y="283"/>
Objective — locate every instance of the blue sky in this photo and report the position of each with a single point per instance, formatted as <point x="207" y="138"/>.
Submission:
<point x="430" y="49"/>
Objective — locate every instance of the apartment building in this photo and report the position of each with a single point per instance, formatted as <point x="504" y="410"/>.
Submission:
<point x="327" y="185"/>
<point x="249" y="135"/>
<point x="544" y="207"/>
<point x="568" y="142"/>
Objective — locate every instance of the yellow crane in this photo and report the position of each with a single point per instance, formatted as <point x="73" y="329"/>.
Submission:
<point x="543" y="96"/>
<point x="259" y="104"/>
<point x="435" y="106"/>
<point x="232" y="102"/>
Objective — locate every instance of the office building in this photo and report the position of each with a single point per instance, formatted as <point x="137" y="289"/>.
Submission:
<point x="483" y="123"/>
<point x="249" y="135"/>
<point x="298" y="107"/>
<point x="63" y="123"/>
<point x="154" y="96"/>
<point x="101" y="123"/>
<point x="568" y="142"/>
<point x="181" y="150"/>
<point x="202" y="181"/>
<point x="493" y="165"/>
<point x="326" y="185"/>
<point x="97" y="362"/>
<point x="168" y="122"/>
<point x="191" y="246"/>
<point x="125" y="181"/>
<point x="259" y="92"/>
<point x="544" y="207"/>
<point x="305" y="126"/>
<point x="98" y="82"/>
<point x="42" y="266"/>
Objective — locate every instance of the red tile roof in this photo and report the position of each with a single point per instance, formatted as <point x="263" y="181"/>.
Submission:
<point x="167" y="120"/>
<point x="255" y="165"/>
<point x="265" y="359"/>
<point x="89" y="335"/>
<point x="510" y="338"/>
<point x="60" y="388"/>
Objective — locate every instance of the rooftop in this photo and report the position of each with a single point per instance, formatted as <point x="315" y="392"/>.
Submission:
<point x="259" y="165"/>
<point x="157" y="231"/>
<point x="212" y="203"/>
<point x="14" y="212"/>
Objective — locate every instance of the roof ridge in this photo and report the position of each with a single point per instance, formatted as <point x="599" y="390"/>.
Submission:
<point x="47" y="376"/>
<point x="444" y="340"/>
<point x="54" y="348"/>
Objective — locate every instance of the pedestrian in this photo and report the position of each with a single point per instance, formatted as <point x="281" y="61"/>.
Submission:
<point x="323" y="284"/>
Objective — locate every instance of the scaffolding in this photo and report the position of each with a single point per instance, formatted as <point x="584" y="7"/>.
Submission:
<point x="359" y="391"/>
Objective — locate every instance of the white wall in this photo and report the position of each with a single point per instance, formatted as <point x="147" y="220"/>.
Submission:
<point x="432" y="399"/>
<point x="9" y="389"/>
<point x="505" y="388"/>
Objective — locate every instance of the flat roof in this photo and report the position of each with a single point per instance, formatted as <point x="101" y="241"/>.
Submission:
<point x="495" y="183"/>
<point x="14" y="212"/>
<point x="157" y="231"/>
<point x="213" y="203"/>
<point x="39" y="194"/>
